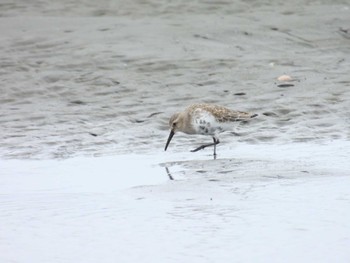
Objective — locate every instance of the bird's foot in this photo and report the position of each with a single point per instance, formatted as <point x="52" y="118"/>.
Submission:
<point x="199" y="148"/>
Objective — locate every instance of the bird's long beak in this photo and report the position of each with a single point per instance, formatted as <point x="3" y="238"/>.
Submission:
<point x="169" y="139"/>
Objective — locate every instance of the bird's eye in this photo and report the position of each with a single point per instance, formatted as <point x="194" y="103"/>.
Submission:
<point x="174" y="124"/>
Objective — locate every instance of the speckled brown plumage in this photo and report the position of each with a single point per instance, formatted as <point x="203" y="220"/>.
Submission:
<point x="221" y="113"/>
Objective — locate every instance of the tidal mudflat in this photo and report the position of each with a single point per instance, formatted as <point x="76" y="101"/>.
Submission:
<point x="87" y="89"/>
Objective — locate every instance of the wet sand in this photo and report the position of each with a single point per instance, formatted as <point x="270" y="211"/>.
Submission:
<point x="66" y="76"/>
<point x="86" y="93"/>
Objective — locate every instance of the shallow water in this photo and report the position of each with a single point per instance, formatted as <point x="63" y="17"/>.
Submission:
<point x="290" y="203"/>
<point x="87" y="89"/>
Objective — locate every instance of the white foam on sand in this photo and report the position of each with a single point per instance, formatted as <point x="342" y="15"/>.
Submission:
<point x="275" y="203"/>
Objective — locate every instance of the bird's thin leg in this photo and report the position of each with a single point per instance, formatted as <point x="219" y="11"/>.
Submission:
<point x="216" y="141"/>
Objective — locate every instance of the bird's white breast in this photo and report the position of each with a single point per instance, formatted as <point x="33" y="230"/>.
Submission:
<point x="206" y="124"/>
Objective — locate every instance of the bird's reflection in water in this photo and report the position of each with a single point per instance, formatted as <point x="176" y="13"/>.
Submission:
<point x="168" y="173"/>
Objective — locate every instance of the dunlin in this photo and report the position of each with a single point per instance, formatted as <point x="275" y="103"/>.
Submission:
<point x="206" y="119"/>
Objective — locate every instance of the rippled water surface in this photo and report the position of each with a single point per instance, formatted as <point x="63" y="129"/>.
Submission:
<point x="78" y="82"/>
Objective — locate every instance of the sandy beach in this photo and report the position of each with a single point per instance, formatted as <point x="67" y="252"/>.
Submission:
<point x="87" y="89"/>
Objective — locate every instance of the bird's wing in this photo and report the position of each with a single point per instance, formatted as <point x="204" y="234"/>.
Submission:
<point x="222" y="114"/>
<point x="232" y="116"/>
